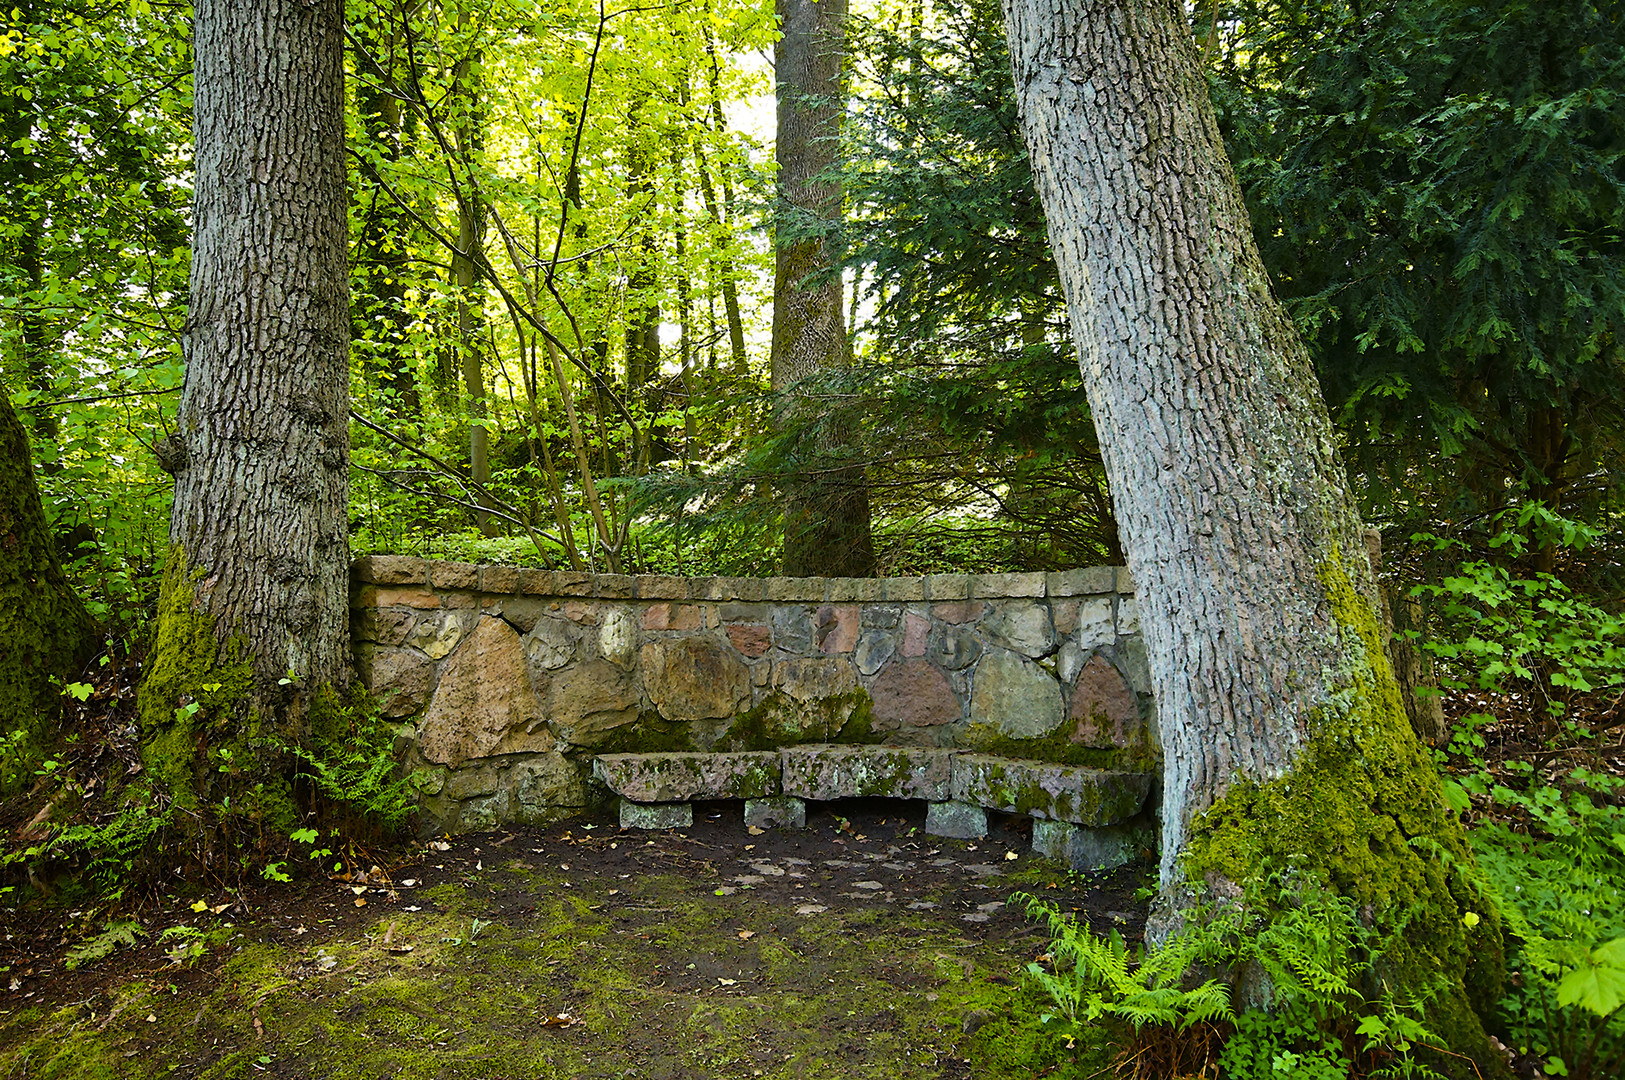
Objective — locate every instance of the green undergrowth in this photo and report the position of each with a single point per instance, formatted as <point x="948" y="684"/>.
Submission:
<point x="1363" y="813"/>
<point x="1282" y="983"/>
<point x="663" y="978"/>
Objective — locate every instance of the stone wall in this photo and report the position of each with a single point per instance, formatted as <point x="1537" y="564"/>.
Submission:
<point x="506" y="681"/>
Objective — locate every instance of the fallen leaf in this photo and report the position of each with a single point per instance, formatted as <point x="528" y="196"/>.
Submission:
<point x="727" y="982"/>
<point x="152" y="1018"/>
<point x="754" y="831"/>
<point x="614" y="892"/>
<point x="1011" y="856"/>
<point x="409" y="882"/>
<point x="360" y="902"/>
<point x="860" y="836"/>
<point x="560" y="1020"/>
<point x="746" y="935"/>
<point x="358" y="889"/>
<point x="750" y="847"/>
<point x="439" y="845"/>
<point x="399" y="949"/>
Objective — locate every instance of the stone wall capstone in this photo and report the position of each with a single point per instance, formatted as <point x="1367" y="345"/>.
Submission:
<point x="506" y="682"/>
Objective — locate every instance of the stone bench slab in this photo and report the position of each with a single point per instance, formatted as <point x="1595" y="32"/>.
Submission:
<point x="823" y="771"/>
<point x="678" y="777"/>
<point x="1072" y="793"/>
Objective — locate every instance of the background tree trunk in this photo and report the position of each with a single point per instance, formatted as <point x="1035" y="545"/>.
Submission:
<point x="826" y="521"/>
<point x="255" y="599"/>
<point x="1285" y="742"/>
<point x="44" y="629"/>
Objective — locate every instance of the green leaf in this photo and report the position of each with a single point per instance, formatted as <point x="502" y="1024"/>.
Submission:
<point x="1597" y="984"/>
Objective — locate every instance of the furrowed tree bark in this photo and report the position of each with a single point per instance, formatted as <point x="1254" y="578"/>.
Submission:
<point x="1286" y="744"/>
<point x="826" y="519"/>
<point x="253" y="618"/>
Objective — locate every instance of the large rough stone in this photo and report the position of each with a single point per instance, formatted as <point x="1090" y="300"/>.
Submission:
<point x="751" y="639"/>
<point x="1016" y="696"/>
<point x="814" y="679"/>
<point x="1021" y="626"/>
<point x="792" y="629"/>
<point x="837" y="628"/>
<point x="1128" y="617"/>
<point x="472" y="780"/>
<point x="694" y="678"/>
<point x="399" y="678"/>
<point x="618" y="636"/>
<point x="437" y="637"/>
<point x="1081" y="582"/>
<point x="1069" y="662"/>
<point x="552" y="643"/>
<point x="487" y="812"/>
<point x="656" y="815"/>
<point x="1104" y="708"/>
<point x="546" y="788"/>
<point x="782" y="810"/>
<point x="884" y="616"/>
<point x="916" y="631"/>
<point x="1086" y="849"/>
<point x="386" y="626"/>
<point x="956" y="820"/>
<point x="585" y="702"/>
<point x="826" y="771"/>
<point x="658" y="778"/>
<point x="954" y="647"/>
<point x="875" y="647"/>
<point x="674" y="617"/>
<point x="1047" y="790"/>
<point x="484" y="704"/>
<point x="912" y="693"/>
<point x="1095" y="623"/>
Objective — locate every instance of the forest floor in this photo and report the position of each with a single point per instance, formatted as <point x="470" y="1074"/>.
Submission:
<point x="856" y="947"/>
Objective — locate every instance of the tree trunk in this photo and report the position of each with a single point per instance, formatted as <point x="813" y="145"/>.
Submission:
<point x="253" y="616"/>
<point x="1285" y="742"/>
<point x="380" y="312"/>
<point x="44" y="629"/>
<point x="470" y="295"/>
<point x="826" y="521"/>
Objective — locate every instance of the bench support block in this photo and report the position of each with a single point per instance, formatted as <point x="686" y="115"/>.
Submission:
<point x="784" y="810"/>
<point x="672" y="815"/>
<point x="1085" y="849"/>
<point x="956" y="820"/>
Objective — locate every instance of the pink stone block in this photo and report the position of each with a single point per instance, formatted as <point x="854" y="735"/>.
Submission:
<point x="837" y="628"/>
<point x="751" y="639"/>
<point x="913" y="693"/>
<point x="916" y="630"/>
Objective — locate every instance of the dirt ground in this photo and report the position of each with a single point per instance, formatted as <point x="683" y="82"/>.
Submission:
<point x="855" y="947"/>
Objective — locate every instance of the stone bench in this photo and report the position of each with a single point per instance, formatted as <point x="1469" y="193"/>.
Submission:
<point x="1080" y="813"/>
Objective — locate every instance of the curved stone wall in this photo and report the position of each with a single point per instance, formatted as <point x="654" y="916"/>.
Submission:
<point x="506" y="681"/>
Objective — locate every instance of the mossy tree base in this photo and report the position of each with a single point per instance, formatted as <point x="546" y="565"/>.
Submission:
<point x="45" y="632"/>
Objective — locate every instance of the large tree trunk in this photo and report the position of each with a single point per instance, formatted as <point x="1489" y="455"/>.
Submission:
<point x="1286" y="743"/>
<point x="826" y="524"/>
<point x="44" y="629"/>
<point x="253" y="615"/>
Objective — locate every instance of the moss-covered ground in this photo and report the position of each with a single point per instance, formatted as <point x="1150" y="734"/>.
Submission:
<point x="857" y="947"/>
